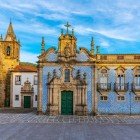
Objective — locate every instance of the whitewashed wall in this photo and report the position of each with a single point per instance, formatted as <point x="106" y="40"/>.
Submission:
<point x="16" y="89"/>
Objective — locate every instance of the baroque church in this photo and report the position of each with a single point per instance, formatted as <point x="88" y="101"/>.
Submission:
<point x="77" y="81"/>
<point x="71" y="80"/>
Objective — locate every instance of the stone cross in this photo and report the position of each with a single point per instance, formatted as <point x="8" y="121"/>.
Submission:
<point x="67" y="26"/>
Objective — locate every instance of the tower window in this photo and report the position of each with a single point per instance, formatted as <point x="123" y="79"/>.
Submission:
<point x="8" y="51"/>
<point x="67" y="75"/>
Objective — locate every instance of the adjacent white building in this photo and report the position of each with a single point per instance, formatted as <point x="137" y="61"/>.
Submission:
<point x="23" y="87"/>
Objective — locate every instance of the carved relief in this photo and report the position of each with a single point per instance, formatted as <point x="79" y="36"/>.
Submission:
<point x="57" y="84"/>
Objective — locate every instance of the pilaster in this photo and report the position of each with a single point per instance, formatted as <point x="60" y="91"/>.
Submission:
<point x="39" y="101"/>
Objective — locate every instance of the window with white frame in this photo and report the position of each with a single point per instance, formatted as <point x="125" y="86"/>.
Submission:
<point x="103" y="79"/>
<point x="18" y="80"/>
<point x="35" y="80"/>
<point x="103" y="98"/>
<point x="16" y="97"/>
<point x="137" y="78"/>
<point x="120" y="79"/>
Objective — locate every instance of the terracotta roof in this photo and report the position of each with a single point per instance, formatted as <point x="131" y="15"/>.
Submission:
<point x="25" y="68"/>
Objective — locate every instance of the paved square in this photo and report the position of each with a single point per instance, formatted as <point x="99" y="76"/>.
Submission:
<point x="29" y="126"/>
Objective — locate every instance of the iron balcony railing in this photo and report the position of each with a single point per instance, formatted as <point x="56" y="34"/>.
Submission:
<point x="121" y="86"/>
<point x="103" y="86"/>
<point x="135" y="87"/>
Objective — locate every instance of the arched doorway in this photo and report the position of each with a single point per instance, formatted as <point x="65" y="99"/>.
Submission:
<point x="66" y="103"/>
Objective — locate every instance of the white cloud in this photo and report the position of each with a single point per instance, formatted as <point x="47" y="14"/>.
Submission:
<point x="104" y="43"/>
<point x="28" y="57"/>
<point x="122" y="34"/>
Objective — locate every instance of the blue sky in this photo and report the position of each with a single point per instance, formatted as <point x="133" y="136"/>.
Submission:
<point x="114" y="24"/>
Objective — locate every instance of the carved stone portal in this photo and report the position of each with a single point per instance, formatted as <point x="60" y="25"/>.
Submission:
<point x="56" y="85"/>
<point x="27" y="90"/>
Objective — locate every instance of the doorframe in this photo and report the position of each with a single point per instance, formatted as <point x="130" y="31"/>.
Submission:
<point x="22" y="100"/>
<point x="60" y="94"/>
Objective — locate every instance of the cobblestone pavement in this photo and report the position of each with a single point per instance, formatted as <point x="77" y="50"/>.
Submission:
<point x="33" y="118"/>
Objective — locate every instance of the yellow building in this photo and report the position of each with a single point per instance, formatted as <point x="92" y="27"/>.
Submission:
<point x="9" y="58"/>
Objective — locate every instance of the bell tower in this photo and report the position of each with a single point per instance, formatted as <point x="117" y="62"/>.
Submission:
<point x="11" y="49"/>
<point x="10" y="53"/>
<point x="67" y="44"/>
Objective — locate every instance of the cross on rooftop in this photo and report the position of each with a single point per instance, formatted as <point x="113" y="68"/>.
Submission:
<point x="67" y="26"/>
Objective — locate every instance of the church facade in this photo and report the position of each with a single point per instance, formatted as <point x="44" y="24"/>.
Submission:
<point x="74" y="81"/>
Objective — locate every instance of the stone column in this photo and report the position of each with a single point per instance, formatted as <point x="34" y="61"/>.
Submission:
<point x="39" y="101"/>
<point x="82" y="96"/>
<point x="84" y="90"/>
<point x="48" y="94"/>
<point x="52" y="96"/>
<point x="77" y="97"/>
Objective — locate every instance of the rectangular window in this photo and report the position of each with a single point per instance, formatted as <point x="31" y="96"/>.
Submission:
<point x="137" y="80"/>
<point x="120" y="81"/>
<point x="103" y="98"/>
<point x="120" y="57"/>
<point x="67" y="75"/>
<point x="103" y="81"/>
<point x="16" y="97"/>
<point x="35" y="80"/>
<point x="121" y="98"/>
<point x="35" y="97"/>
<point x="18" y="80"/>
<point x="137" y="98"/>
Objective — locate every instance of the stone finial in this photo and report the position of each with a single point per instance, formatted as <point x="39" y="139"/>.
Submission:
<point x="78" y="74"/>
<point x="72" y="32"/>
<point x="92" y="46"/>
<point x="61" y="31"/>
<point x="84" y="76"/>
<point x="54" y="73"/>
<point x="49" y="75"/>
<point x="43" y="45"/>
<point x="32" y="88"/>
<point x="97" y="49"/>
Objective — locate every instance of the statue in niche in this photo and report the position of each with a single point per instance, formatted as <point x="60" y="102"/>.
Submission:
<point x="67" y="51"/>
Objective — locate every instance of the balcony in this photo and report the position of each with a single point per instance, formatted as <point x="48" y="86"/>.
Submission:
<point x="121" y="87"/>
<point x="135" y="87"/>
<point x="103" y="87"/>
